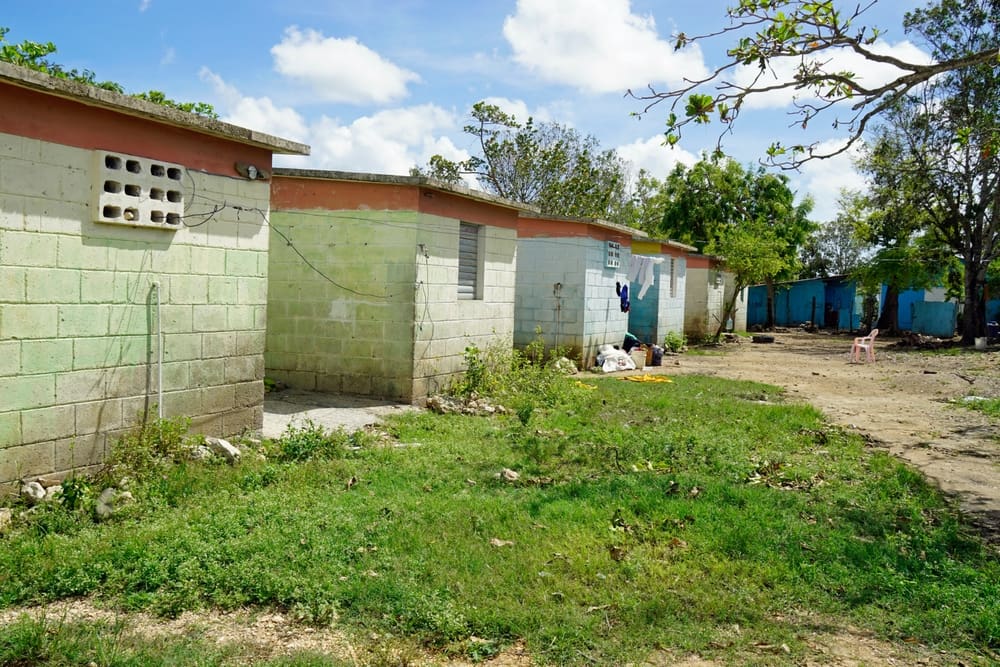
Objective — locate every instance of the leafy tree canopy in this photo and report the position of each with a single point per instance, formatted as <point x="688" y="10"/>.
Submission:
<point x="763" y="34"/>
<point x="835" y="248"/>
<point x="547" y="165"/>
<point x="35" y="56"/>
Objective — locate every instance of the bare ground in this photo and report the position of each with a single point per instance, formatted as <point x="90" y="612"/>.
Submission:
<point x="904" y="401"/>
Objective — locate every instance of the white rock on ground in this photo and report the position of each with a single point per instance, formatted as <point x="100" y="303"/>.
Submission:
<point x="223" y="448"/>
<point x="32" y="492"/>
<point x="110" y="501"/>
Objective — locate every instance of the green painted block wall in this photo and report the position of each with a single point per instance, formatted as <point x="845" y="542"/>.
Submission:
<point x="77" y="311"/>
<point x="344" y="324"/>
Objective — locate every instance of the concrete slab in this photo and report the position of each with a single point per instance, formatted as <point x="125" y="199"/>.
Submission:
<point x="294" y="406"/>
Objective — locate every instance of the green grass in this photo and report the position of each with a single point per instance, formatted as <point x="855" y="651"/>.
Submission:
<point x="645" y="516"/>
<point x="988" y="406"/>
<point x="29" y="642"/>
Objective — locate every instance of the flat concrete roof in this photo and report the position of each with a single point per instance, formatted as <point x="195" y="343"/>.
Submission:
<point x="133" y="106"/>
<point x="597" y="222"/>
<point x="412" y="181"/>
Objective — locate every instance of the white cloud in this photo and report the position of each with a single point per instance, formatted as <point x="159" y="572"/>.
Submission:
<point x="258" y="113"/>
<point x="340" y="70"/>
<point x="519" y="109"/>
<point x="653" y="156"/>
<point x="169" y="56"/>
<point x="389" y="142"/>
<point x="144" y="5"/>
<point x="824" y="179"/>
<point x="598" y="46"/>
<point x="868" y="73"/>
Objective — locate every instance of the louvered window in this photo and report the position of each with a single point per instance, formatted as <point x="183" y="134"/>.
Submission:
<point x="468" y="261"/>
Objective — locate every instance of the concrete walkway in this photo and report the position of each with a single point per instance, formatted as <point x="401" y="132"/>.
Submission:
<point x="293" y="406"/>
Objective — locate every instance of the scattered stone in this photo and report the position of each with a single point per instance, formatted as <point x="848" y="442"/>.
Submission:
<point x="509" y="475"/>
<point x="497" y="542"/>
<point x="49" y="482"/>
<point x="110" y="502"/>
<point x="566" y="365"/>
<point x="32" y="493"/>
<point x="224" y="449"/>
<point x="53" y="494"/>
<point x="201" y="453"/>
<point x="473" y="405"/>
<point x="6" y="518"/>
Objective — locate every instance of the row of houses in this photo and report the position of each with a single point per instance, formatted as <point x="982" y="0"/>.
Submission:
<point x="150" y="259"/>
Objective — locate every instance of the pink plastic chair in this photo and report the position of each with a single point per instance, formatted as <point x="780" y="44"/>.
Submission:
<point x="866" y="343"/>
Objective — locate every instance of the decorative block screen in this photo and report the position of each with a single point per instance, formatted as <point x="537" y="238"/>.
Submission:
<point x="137" y="192"/>
<point x="614" y="260"/>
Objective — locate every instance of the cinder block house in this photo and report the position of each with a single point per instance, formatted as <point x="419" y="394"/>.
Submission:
<point x="704" y="291"/>
<point x="133" y="264"/>
<point x="567" y="272"/>
<point x="377" y="283"/>
<point x="661" y="310"/>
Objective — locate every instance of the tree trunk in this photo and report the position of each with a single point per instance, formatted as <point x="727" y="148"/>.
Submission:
<point x="888" y="321"/>
<point x="728" y="310"/>
<point x="974" y="312"/>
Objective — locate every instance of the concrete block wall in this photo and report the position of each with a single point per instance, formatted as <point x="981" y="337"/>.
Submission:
<point x="77" y="314"/>
<point x="550" y="291"/>
<point x="352" y="330"/>
<point x="603" y="320"/>
<point x="703" y="302"/>
<point x="443" y="325"/>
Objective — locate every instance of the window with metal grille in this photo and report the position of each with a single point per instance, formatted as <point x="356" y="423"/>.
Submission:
<point x="468" y="261"/>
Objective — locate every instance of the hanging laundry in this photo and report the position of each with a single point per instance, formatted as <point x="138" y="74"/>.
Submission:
<point x="625" y="303"/>
<point x="640" y="269"/>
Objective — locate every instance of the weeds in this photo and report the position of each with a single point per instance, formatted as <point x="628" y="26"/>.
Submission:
<point x="643" y="516"/>
<point x="675" y="342"/>
<point x="148" y="449"/>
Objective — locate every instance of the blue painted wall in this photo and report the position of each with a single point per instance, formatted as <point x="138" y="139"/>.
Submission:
<point x="934" y="318"/>
<point x="841" y="309"/>
<point x="757" y="305"/>
<point x="802" y="301"/>
<point x="643" y="313"/>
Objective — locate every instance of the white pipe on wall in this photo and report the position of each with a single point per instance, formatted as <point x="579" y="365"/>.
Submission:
<point x="159" y="354"/>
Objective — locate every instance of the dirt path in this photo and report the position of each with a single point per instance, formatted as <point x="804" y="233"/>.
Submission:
<point x="901" y="401"/>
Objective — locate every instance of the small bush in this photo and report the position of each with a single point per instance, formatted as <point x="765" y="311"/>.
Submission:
<point x="308" y="441"/>
<point x="515" y="377"/>
<point x="675" y="342"/>
<point x="149" y="448"/>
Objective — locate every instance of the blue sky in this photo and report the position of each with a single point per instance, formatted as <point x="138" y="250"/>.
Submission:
<point x="381" y="86"/>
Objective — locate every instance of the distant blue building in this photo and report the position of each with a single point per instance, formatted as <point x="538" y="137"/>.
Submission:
<point x="830" y="303"/>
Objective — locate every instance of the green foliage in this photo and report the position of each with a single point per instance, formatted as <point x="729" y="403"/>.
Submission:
<point x="756" y="506"/>
<point x="309" y="441"/>
<point x="674" y="341"/>
<point x="543" y="164"/>
<point x="811" y="34"/>
<point x="514" y="377"/>
<point x="746" y="215"/>
<point x="837" y="247"/>
<point x="149" y="448"/>
<point x="34" y="55"/>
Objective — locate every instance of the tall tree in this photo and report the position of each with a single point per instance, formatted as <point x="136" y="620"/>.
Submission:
<point x="948" y="143"/>
<point x="835" y="249"/>
<point x="717" y="206"/>
<point x="716" y="195"/>
<point x="808" y="34"/>
<point x="547" y="165"/>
